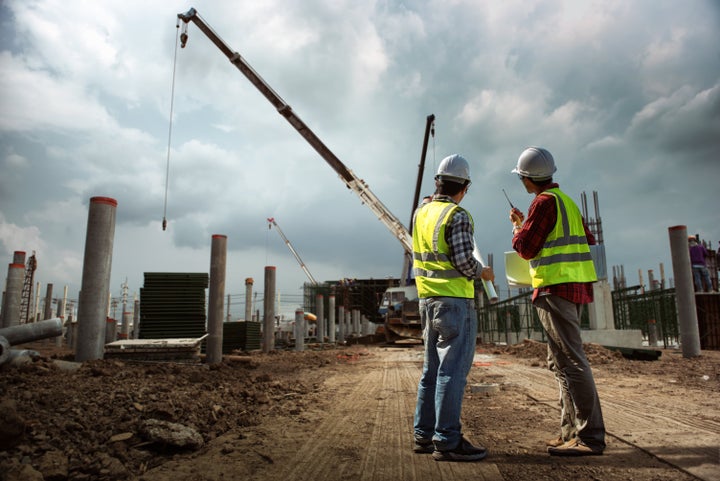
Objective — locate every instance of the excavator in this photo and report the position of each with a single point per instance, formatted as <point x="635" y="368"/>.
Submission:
<point x="354" y="183"/>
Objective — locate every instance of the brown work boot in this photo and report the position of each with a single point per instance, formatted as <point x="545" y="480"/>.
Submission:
<point x="555" y="442"/>
<point x="574" y="447"/>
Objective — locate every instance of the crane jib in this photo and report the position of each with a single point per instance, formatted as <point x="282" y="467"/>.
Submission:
<point x="351" y="181"/>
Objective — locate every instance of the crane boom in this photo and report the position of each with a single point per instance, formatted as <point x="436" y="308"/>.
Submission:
<point x="353" y="182"/>
<point x="271" y="222"/>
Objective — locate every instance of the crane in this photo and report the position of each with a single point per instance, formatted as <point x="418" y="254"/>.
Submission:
<point x="271" y="223"/>
<point x="354" y="183"/>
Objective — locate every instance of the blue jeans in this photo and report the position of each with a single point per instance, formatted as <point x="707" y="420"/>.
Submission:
<point x="450" y="333"/>
<point x="701" y="275"/>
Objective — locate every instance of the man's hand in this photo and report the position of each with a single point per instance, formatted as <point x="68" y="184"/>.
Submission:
<point x="516" y="217"/>
<point x="487" y="274"/>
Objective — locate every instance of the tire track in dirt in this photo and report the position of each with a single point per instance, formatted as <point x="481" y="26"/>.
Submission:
<point x="371" y="424"/>
<point x="670" y="433"/>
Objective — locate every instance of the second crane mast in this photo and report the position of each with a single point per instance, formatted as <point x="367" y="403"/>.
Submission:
<point x="271" y="222"/>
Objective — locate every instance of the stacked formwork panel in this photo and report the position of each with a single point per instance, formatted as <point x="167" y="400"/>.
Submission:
<point x="172" y="305"/>
<point x="244" y="336"/>
<point x="708" y="314"/>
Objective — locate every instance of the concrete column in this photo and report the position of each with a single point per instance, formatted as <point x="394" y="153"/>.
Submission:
<point x="269" y="310"/>
<point x="228" y="303"/>
<point x="47" y="308"/>
<point x="348" y="323"/>
<point x="126" y="321"/>
<point x="600" y="311"/>
<point x="125" y="314"/>
<point x="72" y="337"/>
<point x="652" y="333"/>
<point x="248" y="296"/>
<point x="331" y="319"/>
<point x="110" y="330"/>
<point x="19" y="257"/>
<point x="218" y="256"/>
<point x="684" y="291"/>
<point x="13" y="295"/>
<point x="299" y="331"/>
<point x="36" y="306"/>
<point x="93" y="302"/>
<point x="341" y="324"/>
<point x="651" y="280"/>
<point x="62" y="303"/>
<point x="13" y="292"/>
<point x="136" y="319"/>
<point x="320" y="329"/>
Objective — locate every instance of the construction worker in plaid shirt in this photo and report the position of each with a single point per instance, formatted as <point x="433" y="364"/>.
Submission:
<point x="555" y="240"/>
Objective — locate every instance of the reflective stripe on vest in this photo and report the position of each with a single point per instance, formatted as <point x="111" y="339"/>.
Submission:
<point x="565" y="256"/>
<point x="435" y="276"/>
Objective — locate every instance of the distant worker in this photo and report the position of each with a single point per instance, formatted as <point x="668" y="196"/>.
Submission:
<point x="445" y="271"/>
<point x="555" y="239"/>
<point x="701" y="274"/>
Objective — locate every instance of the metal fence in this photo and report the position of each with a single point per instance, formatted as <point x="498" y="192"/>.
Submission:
<point x="510" y="320"/>
<point x="514" y="319"/>
<point x="655" y="310"/>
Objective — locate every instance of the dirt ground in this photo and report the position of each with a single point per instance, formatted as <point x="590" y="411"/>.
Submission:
<point x="345" y="413"/>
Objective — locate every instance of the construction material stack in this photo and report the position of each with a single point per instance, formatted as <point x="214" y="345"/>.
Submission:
<point x="172" y="305"/>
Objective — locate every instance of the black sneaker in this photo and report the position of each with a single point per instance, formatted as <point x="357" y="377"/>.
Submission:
<point x="423" y="446"/>
<point x="464" y="451"/>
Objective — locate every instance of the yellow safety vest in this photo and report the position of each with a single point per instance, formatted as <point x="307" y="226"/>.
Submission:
<point x="565" y="256"/>
<point x="435" y="275"/>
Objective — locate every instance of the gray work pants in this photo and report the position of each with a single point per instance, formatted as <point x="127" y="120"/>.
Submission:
<point x="581" y="415"/>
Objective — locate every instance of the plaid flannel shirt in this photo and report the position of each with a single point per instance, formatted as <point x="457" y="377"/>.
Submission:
<point x="459" y="237"/>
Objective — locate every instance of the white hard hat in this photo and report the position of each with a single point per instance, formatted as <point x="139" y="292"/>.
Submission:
<point x="536" y="163"/>
<point x="454" y="168"/>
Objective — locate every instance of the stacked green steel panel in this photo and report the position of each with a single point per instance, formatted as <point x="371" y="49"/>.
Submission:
<point x="243" y="336"/>
<point x="172" y="305"/>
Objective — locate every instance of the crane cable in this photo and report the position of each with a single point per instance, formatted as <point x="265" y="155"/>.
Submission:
<point x="172" y="104"/>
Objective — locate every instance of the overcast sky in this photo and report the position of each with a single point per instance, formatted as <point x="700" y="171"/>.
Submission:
<point x="626" y="96"/>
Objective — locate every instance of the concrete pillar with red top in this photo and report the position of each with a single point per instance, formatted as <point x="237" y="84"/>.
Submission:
<point x="248" y="296"/>
<point x="95" y="286"/>
<point x="13" y="290"/>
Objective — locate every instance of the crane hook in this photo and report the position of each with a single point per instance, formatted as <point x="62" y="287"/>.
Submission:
<point x="183" y="35"/>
